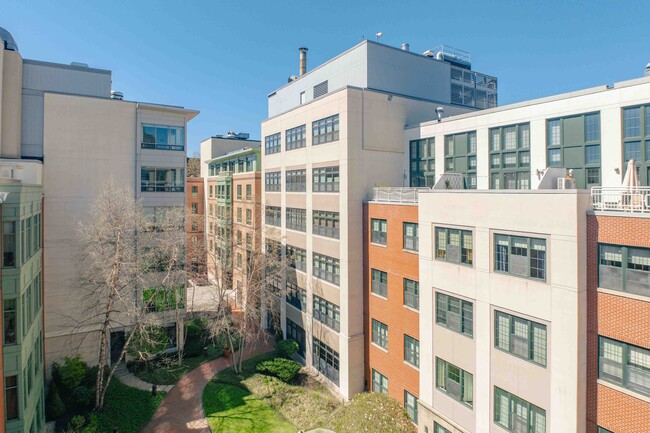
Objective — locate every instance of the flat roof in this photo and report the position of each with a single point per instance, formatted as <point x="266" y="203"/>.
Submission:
<point x="235" y="154"/>
<point x="64" y="66"/>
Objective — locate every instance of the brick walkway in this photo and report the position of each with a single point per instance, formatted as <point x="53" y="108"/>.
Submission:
<point x="182" y="409"/>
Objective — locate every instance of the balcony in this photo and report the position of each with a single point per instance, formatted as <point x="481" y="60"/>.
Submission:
<point x="395" y="194"/>
<point x="621" y="199"/>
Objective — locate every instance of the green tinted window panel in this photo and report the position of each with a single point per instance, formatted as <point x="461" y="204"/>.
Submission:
<point x="635" y="131"/>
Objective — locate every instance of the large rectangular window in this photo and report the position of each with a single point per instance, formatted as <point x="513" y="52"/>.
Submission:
<point x="327" y="313"/>
<point x="272" y="215"/>
<point x="422" y="162"/>
<point x="296" y="258"/>
<point x="455" y="382"/>
<point x="297" y="333"/>
<point x="379" y="283"/>
<point x="636" y="141"/>
<point x="272" y="144"/>
<point x="378" y="231"/>
<point x="380" y="334"/>
<point x="325" y="130"/>
<point x="326" y="268"/>
<point x="625" y="269"/>
<point x="11" y="397"/>
<point x="296" y="296"/>
<point x="455" y="314"/>
<point x="437" y="428"/>
<point x="325" y="223"/>
<point x="163" y="137"/>
<point x="460" y="156"/>
<point x="411" y="293"/>
<point x="9" y="244"/>
<point x="453" y="245"/>
<point x="520" y="337"/>
<point x="379" y="382"/>
<point x="411" y="406"/>
<point x="510" y="157"/>
<point x="157" y="179"/>
<point x="296" y="219"/>
<point x="10" y="321"/>
<point x="522" y="256"/>
<point x="272" y="181"/>
<point x="516" y="415"/>
<point x="573" y="143"/>
<point x="411" y="235"/>
<point x="624" y="364"/>
<point x="325" y="360"/>
<point x="325" y="179"/>
<point x="296" y="180"/>
<point x="295" y="138"/>
<point x="411" y="351"/>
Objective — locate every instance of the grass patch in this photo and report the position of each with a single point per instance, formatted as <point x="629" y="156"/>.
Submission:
<point x="371" y="413"/>
<point x="167" y="371"/>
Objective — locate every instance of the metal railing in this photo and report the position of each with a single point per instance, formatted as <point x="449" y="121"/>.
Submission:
<point x="621" y="199"/>
<point x="396" y="194"/>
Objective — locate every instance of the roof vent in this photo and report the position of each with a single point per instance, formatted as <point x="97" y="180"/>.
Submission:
<point x="429" y="53"/>
<point x="405" y="47"/>
<point x="117" y="95"/>
<point x="79" y="64"/>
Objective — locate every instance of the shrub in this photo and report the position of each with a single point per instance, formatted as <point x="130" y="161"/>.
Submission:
<point x="54" y="406"/>
<point x="71" y="374"/>
<point x="82" y="396"/>
<point x="283" y="369"/>
<point x="287" y="348"/>
<point x="149" y="342"/>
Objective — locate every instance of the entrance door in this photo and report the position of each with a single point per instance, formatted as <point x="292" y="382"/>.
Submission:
<point x="117" y="344"/>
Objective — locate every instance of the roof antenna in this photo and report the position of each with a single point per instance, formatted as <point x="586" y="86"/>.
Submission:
<point x="379" y="35"/>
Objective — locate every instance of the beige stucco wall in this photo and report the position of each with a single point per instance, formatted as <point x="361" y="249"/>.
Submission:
<point x="11" y="91"/>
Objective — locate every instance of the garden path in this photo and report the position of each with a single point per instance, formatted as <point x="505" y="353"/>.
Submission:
<point x="128" y="378"/>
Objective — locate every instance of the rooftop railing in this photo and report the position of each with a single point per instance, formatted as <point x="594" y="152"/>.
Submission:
<point x="396" y="194"/>
<point x="621" y="199"/>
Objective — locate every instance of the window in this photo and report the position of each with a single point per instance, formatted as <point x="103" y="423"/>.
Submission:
<point x="522" y="256"/>
<point x="239" y="261"/>
<point x="510" y="157"/>
<point x="460" y="156"/>
<point x="411" y="234"/>
<point x="325" y="179"/>
<point x="326" y="268"/>
<point x="411" y="351"/>
<point x="195" y="208"/>
<point x="296" y="296"/>
<point x="296" y="332"/>
<point x="303" y="98"/>
<point x="249" y="216"/>
<point x="195" y="191"/>
<point x="380" y="334"/>
<point x="603" y="430"/>
<point x="163" y="137"/>
<point x="11" y="397"/>
<point x="632" y="122"/>
<point x="272" y="181"/>
<point x="239" y="196"/>
<point x="325" y="130"/>
<point x="520" y="337"/>
<point x="162" y="179"/>
<point x="378" y="231"/>
<point x="453" y="245"/>
<point x="437" y="428"/>
<point x="411" y="294"/>
<point x="272" y="144"/>
<point x="422" y="161"/>
<point x="249" y="191"/>
<point x="517" y="415"/>
<point x="9" y="244"/>
<point x="625" y="365"/>
<point x="273" y="216"/>
<point x="296" y="180"/>
<point x="296" y="219"/>
<point x="379" y="283"/>
<point x="326" y="223"/>
<point x="327" y="313"/>
<point x="379" y="382"/>
<point x="455" y="382"/>
<point x="636" y="140"/>
<point x="325" y="360"/>
<point x="10" y="329"/>
<point x="320" y="89"/>
<point x="296" y="258"/>
<point x="455" y="314"/>
<point x="411" y="406"/>
<point x="239" y="216"/>
<point x="295" y="138"/>
<point x="625" y="269"/>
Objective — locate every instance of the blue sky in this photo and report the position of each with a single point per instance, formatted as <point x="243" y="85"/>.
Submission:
<point x="224" y="57"/>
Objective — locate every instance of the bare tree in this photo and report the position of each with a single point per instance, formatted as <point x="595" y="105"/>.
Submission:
<point x="131" y="270"/>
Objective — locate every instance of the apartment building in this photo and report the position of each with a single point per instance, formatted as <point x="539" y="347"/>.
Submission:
<point x="195" y="214"/>
<point x="332" y="133"/>
<point x="234" y="212"/>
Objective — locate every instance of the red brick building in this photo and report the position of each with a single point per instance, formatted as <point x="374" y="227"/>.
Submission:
<point x="195" y="212"/>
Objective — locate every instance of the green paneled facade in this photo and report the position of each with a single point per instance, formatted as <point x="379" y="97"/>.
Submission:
<point x="460" y="156"/>
<point x="636" y="140"/>
<point x="510" y="157"/>
<point x="422" y="162"/>
<point x="22" y="303"/>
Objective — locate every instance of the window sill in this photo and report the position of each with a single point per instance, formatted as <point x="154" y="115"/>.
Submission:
<point x="411" y="309"/>
<point x="624" y="294"/>
<point x="378" y="245"/>
<point x="384" y="298"/>
<point x="377" y="346"/>
<point x="626" y="391"/>
<point x="416" y="253"/>
<point x="411" y="365"/>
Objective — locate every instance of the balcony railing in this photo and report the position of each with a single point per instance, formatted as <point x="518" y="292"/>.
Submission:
<point x="396" y="194"/>
<point x="621" y="199"/>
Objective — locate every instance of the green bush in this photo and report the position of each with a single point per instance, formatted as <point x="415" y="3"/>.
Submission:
<point x="287" y="348"/>
<point x="283" y="369"/>
<point x="54" y="406"/>
<point x="71" y="374"/>
<point x="82" y="396"/>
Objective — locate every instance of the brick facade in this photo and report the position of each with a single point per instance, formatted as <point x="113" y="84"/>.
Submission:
<point x="195" y="211"/>
<point x="398" y="264"/>
<point x="619" y="317"/>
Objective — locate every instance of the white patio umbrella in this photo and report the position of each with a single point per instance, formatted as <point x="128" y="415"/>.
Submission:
<point x="631" y="179"/>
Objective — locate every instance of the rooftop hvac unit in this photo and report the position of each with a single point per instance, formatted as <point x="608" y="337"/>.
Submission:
<point x="566" y="183"/>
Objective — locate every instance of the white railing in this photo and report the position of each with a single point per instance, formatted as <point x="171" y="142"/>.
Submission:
<point x="621" y="199"/>
<point x="396" y="194"/>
